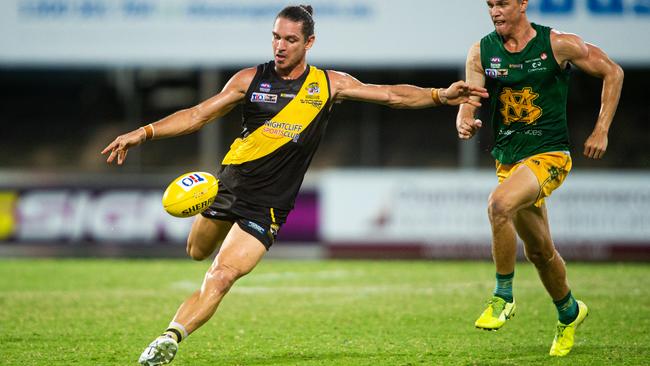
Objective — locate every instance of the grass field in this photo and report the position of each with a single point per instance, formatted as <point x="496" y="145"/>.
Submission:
<point x="104" y="312"/>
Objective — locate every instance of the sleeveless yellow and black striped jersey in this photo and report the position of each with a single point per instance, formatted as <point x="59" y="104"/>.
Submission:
<point x="283" y="122"/>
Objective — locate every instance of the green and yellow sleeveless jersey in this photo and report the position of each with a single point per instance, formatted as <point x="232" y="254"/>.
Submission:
<point x="283" y="122"/>
<point x="528" y="97"/>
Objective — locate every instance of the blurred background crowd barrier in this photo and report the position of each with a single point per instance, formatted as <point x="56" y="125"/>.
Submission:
<point x="384" y="184"/>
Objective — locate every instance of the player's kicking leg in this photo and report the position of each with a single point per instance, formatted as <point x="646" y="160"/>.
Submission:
<point x="205" y="236"/>
<point x="159" y="352"/>
<point x="238" y="255"/>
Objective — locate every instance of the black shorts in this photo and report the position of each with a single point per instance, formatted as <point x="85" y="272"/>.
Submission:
<point x="261" y="222"/>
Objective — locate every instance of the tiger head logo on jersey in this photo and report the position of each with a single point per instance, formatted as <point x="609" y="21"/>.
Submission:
<point x="313" y="88"/>
<point x="518" y="106"/>
<point x="313" y="95"/>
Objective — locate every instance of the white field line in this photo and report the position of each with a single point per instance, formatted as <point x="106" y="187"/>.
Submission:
<point x="275" y="276"/>
<point x="337" y="290"/>
<point x="342" y="290"/>
<point x="255" y="284"/>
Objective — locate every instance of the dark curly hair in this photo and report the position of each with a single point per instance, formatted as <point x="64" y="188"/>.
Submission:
<point x="300" y="13"/>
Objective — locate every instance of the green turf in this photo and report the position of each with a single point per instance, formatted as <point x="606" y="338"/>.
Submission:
<point x="104" y="312"/>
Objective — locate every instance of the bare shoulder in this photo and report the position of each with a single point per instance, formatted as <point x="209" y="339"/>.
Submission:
<point x="475" y="50"/>
<point x="567" y="46"/>
<point x="234" y="90"/>
<point x="338" y="76"/>
<point x="564" y="39"/>
<point x="242" y="79"/>
<point x="340" y="81"/>
<point x="249" y="71"/>
<point x="474" y="56"/>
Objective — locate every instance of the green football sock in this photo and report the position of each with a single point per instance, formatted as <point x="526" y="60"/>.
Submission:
<point x="503" y="287"/>
<point x="567" y="309"/>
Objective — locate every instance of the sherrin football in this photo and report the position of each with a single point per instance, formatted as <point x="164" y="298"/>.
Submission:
<point x="190" y="194"/>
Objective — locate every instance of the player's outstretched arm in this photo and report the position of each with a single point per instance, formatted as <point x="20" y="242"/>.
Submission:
<point x="346" y="87"/>
<point x="592" y="60"/>
<point x="184" y="121"/>
<point x="466" y="123"/>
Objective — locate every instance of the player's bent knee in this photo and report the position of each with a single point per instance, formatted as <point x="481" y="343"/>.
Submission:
<point x="194" y="251"/>
<point x="221" y="279"/>
<point x="539" y="258"/>
<point x="497" y="208"/>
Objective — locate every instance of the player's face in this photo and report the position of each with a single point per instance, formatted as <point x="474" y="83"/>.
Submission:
<point x="289" y="44"/>
<point x="506" y="14"/>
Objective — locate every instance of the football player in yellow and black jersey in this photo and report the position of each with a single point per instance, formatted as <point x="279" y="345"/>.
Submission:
<point x="525" y="69"/>
<point x="286" y="104"/>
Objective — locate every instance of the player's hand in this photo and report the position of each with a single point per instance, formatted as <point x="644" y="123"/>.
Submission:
<point x="467" y="127"/>
<point x="596" y="145"/>
<point x="460" y="92"/>
<point x="120" y="146"/>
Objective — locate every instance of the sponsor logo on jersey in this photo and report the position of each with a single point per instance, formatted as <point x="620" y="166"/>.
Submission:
<point x="313" y="96"/>
<point x="495" y="59"/>
<point x="533" y="132"/>
<point x="495" y="66"/>
<point x="313" y="101"/>
<point x="287" y="95"/>
<point x="496" y="73"/>
<point x="519" y="106"/>
<point x="190" y="181"/>
<point x="277" y="130"/>
<point x="516" y="66"/>
<point x="264" y="98"/>
<point x="536" y="66"/>
<point x="265" y="87"/>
